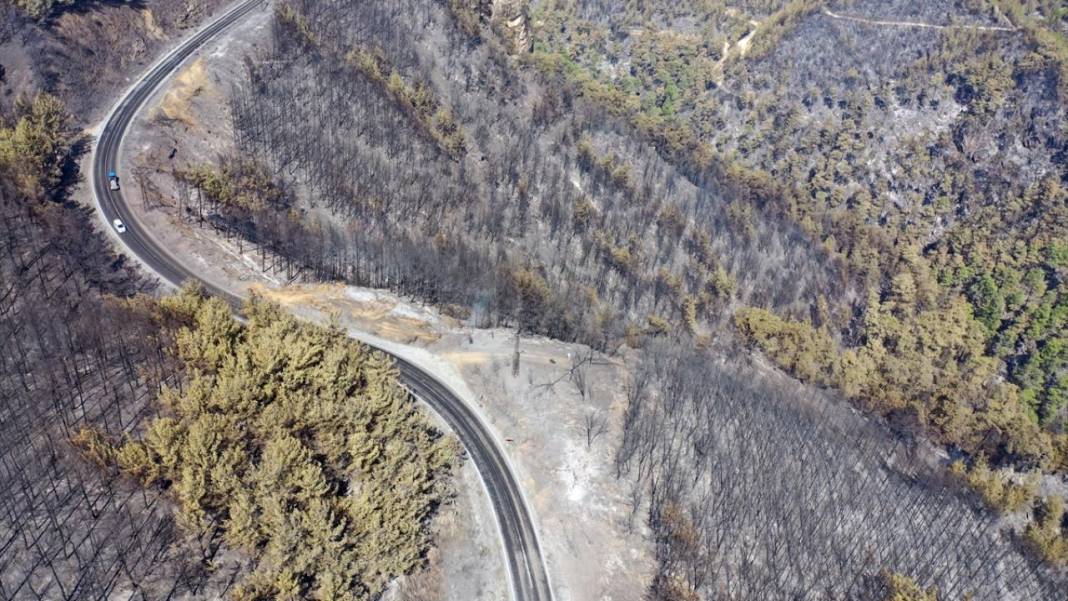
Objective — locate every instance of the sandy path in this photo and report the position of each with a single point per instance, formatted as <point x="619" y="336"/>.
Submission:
<point x="879" y="23"/>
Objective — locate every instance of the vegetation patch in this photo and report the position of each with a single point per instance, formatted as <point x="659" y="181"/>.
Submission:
<point x="996" y="489"/>
<point x="1048" y="534"/>
<point x="416" y="98"/>
<point x="902" y="588"/>
<point x="238" y="186"/>
<point x="801" y="348"/>
<point x="35" y="148"/>
<point x="295" y="444"/>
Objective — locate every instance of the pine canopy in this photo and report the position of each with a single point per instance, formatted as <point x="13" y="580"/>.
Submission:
<point x="297" y="445"/>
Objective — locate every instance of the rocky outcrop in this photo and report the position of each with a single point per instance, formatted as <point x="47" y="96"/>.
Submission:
<point x="507" y="18"/>
<point x="512" y="22"/>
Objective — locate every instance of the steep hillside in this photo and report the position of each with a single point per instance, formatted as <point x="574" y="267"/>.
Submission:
<point x="922" y="143"/>
<point x="898" y="203"/>
<point x="84" y="52"/>
<point x="870" y="194"/>
<point x="86" y="361"/>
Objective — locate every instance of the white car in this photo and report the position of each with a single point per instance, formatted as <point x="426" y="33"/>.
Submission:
<point x="120" y="227"/>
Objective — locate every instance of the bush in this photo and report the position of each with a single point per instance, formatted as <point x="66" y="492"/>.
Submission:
<point x="1047" y="533"/>
<point x="996" y="490"/>
<point x="903" y="588"/>
<point x="808" y="353"/>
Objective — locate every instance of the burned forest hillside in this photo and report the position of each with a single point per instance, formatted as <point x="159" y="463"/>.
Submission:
<point x="68" y="361"/>
<point x="868" y="195"/>
<point x="74" y="352"/>
<point x="859" y="229"/>
<point x="77" y="349"/>
<point x="761" y="488"/>
<point x="819" y="248"/>
<point x="116" y="471"/>
<point x="536" y="206"/>
<point x="83" y="50"/>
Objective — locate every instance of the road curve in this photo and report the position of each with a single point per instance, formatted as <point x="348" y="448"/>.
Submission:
<point x="526" y="567"/>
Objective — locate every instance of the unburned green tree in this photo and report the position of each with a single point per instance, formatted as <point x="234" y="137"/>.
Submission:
<point x="35" y="148"/>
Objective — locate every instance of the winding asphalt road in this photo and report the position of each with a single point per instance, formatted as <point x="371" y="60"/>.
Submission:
<point x="525" y="564"/>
